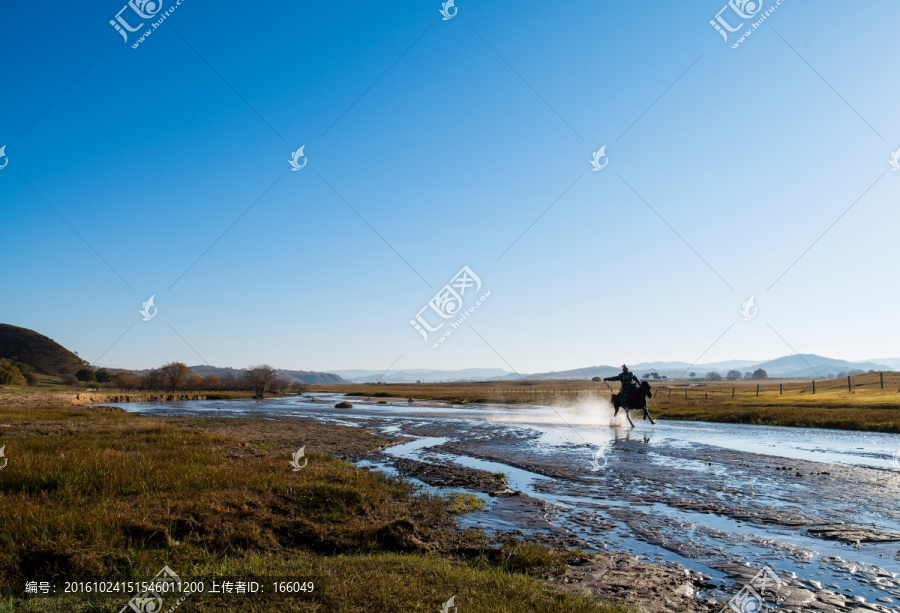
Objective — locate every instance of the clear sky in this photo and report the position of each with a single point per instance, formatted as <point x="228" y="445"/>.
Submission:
<point x="433" y="144"/>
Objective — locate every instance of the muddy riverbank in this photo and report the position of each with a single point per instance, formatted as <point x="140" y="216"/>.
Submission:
<point x="720" y="501"/>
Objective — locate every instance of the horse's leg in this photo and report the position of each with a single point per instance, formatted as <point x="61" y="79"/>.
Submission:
<point x="647" y="415"/>
<point x="628" y="417"/>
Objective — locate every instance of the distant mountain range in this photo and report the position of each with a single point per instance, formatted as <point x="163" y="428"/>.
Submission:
<point x="892" y="362"/>
<point x="424" y="375"/>
<point x="793" y="366"/>
<point x="295" y="376"/>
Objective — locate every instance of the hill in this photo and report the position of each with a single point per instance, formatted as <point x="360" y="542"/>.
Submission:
<point x="426" y="375"/>
<point x="892" y="362"/>
<point x="43" y="354"/>
<point x="296" y="376"/>
<point x="811" y="365"/>
<point x="789" y="366"/>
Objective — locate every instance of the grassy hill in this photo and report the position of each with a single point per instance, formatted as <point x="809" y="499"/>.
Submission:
<point x="44" y="354"/>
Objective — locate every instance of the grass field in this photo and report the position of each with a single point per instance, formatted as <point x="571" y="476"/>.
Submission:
<point x="866" y="405"/>
<point x="102" y="494"/>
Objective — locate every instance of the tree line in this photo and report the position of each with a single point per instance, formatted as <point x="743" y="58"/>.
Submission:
<point x="736" y="375"/>
<point x="178" y="377"/>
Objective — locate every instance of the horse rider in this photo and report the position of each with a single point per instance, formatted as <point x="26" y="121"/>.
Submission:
<point x="629" y="383"/>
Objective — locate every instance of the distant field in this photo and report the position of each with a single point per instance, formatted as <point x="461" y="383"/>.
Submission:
<point x="872" y="402"/>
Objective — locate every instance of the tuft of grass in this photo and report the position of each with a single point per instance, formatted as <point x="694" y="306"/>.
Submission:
<point x="461" y="503"/>
<point x="535" y="558"/>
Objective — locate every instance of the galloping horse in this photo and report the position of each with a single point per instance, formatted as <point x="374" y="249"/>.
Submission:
<point x="637" y="400"/>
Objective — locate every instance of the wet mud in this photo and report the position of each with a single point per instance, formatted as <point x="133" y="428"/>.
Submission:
<point x="681" y="516"/>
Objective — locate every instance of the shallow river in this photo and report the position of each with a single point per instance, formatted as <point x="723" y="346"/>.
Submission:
<point x="821" y="507"/>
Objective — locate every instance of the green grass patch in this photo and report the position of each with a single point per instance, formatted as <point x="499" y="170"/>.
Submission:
<point x="89" y="494"/>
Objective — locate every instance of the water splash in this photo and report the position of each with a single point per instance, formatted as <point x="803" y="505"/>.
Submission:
<point x="582" y="411"/>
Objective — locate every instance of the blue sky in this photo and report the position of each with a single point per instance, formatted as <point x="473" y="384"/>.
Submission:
<point x="434" y="144"/>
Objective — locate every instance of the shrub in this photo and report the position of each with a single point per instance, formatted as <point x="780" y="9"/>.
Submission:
<point x="31" y="378"/>
<point x="9" y="374"/>
<point x="459" y="504"/>
<point x="343" y="404"/>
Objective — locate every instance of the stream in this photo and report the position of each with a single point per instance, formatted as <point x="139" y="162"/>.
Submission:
<point x="820" y="507"/>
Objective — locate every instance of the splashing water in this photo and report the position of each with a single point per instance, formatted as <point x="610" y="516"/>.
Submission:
<point x="584" y="411"/>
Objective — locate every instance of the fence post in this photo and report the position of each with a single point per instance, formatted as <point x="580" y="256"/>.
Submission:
<point x="732" y="392"/>
<point x="757" y="389"/>
<point x="706" y="395"/>
<point x="781" y="389"/>
<point x="670" y="393"/>
<point x="814" y="386"/>
<point x="849" y="389"/>
<point x="882" y="379"/>
<point x="685" y="393"/>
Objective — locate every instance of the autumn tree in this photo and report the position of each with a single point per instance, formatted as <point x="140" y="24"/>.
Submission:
<point x="298" y="387"/>
<point x="759" y="373"/>
<point x="127" y="382"/>
<point x="9" y="374"/>
<point x="212" y="382"/>
<point x="195" y="382"/>
<point x="279" y="385"/>
<point x="152" y="381"/>
<point x="260" y="378"/>
<point x="174" y="375"/>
